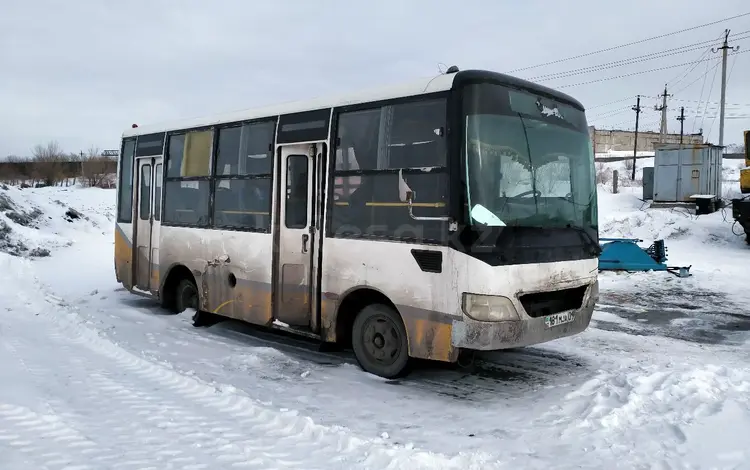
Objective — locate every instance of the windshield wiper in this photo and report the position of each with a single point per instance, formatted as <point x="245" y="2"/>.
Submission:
<point x="583" y="233"/>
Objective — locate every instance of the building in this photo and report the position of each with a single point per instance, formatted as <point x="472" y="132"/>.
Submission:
<point x="616" y="140"/>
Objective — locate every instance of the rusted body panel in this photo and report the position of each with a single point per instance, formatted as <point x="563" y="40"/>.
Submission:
<point x="124" y="254"/>
<point x="232" y="269"/>
<point x="429" y="334"/>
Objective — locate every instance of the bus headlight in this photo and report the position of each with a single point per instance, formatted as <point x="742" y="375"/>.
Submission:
<point x="488" y="307"/>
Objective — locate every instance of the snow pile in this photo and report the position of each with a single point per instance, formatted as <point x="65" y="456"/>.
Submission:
<point x="667" y="406"/>
<point x="34" y="222"/>
<point x="625" y="215"/>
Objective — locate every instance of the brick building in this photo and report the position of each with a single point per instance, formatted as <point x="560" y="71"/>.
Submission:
<point x="606" y="140"/>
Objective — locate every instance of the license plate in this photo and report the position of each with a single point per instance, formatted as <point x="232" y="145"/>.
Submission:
<point x="559" y="319"/>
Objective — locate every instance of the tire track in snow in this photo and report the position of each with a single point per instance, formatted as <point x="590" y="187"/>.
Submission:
<point x="27" y="431"/>
<point x="161" y="418"/>
<point x="242" y="432"/>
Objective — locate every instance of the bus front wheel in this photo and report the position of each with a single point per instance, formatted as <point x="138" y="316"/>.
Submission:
<point x="380" y="343"/>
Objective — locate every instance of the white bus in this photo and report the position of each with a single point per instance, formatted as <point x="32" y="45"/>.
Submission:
<point x="452" y="214"/>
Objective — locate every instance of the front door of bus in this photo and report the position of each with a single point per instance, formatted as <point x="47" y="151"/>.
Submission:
<point x="296" y="214"/>
<point x="148" y="222"/>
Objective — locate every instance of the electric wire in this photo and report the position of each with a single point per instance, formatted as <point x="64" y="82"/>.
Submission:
<point x="666" y="67"/>
<point x="610" y="114"/>
<point x="610" y="103"/>
<point x="710" y="90"/>
<point x="698" y="78"/>
<point x="694" y="66"/>
<point x="630" y="43"/>
<point x="632" y="60"/>
<point x="703" y="86"/>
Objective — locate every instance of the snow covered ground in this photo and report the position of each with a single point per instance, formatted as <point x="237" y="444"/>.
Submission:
<point x="94" y="377"/>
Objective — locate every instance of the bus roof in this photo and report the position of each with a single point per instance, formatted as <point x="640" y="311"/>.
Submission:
<point x="434" y="84"/>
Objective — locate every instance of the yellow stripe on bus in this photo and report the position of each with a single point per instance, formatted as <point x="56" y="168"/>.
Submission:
<point x="216" y="310"/>
<point x="397" y="204"/>
<point x="246" y="212"/>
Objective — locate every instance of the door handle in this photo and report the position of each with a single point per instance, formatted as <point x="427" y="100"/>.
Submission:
<point x="305" y="238"/>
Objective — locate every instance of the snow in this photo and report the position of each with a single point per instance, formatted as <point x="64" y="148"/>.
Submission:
<point x="95" y="377"/>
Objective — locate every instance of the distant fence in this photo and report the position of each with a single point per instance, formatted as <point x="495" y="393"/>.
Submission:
<point x="727" y="156"/>
<point x="68" y="168"/>
<point x="53" y="172"/>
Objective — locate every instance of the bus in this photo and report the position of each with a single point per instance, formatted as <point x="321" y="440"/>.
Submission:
<point x="452" y="215"/>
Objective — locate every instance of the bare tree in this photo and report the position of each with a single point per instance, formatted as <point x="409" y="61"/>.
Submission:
<point x="97" y="170"/>
<point x="48" y="163"/>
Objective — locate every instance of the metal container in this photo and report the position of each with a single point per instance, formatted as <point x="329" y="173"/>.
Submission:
<point x="682" y="171"/>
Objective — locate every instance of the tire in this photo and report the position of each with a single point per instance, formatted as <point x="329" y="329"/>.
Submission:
<point x="185" y="296"/>
<point x="380" y="343"/>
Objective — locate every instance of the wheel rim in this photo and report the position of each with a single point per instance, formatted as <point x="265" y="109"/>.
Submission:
<point x="190" y="297"/>
<point x="381" y="339"/>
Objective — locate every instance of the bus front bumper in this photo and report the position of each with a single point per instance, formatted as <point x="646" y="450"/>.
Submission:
<point x="489" y="336"/>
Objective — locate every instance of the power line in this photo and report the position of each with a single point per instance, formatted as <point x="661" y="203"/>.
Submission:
<point x="733" y="36"/>
<point x="610" y="103"/>
<point x="703" y="87"/>
<point x="666" y="67"/>
<point x="712" y="102"/>
<point x="610" y="114"/>
<point x="610" y="65"/>
<point x="711" y="89"/>
<point x="630" y="43"/>
<point x="705" y="74"/>
<point x="629" y="61"/>
<point x="694" y="66"/>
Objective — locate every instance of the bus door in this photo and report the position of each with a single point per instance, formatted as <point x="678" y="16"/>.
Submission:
<point x="149" y="173"/>
<point x="299" y="217"/>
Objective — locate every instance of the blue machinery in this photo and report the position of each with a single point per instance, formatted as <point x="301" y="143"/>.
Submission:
<point x="624" y="254"/>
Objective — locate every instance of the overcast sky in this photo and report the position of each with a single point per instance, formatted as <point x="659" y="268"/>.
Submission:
<point x="81" y="71"/>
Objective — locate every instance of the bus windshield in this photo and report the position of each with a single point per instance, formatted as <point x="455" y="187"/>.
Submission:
<point x="529" y="161"/>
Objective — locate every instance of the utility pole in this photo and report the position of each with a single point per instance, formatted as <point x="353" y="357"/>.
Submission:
<point x="724" y="49"/>
<point x="637" y="109"/>
<point x="681" y="118"/>
<point x="663" y="109"/>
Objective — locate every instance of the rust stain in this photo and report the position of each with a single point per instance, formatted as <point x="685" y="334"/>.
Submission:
<point x="155" y="278"/>
<point x="430" y="340"/>
<point x="123" y="259"/>
<point x="253" y="305"/>
<point x="328" y="319"/>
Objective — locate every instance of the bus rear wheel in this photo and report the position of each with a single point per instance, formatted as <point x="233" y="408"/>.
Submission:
<point x="380" y="343"/>
<point x="185" y="296"/>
